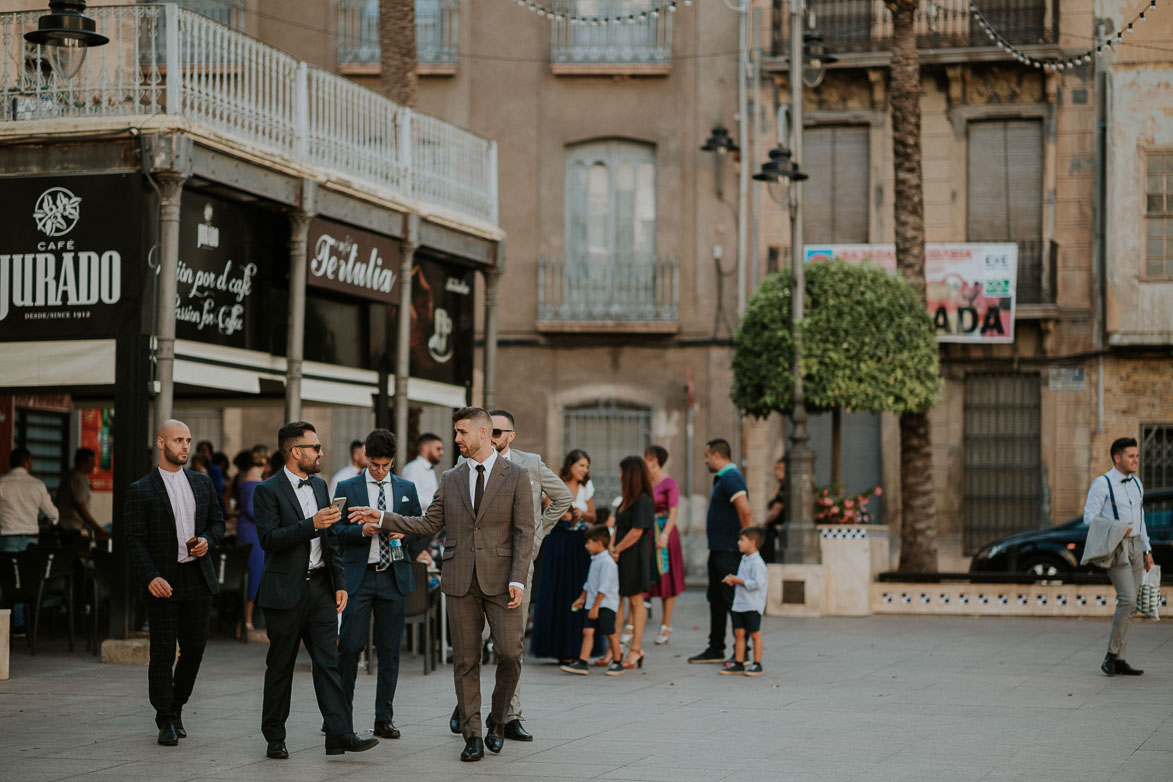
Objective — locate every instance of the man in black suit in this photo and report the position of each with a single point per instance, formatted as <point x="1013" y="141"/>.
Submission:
<point x="302" y="590"/>
<point x="172" y="519"/>
<point x="378" y="576"/>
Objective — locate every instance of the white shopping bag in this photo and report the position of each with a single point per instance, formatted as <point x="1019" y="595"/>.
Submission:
<point x="1148" y="595"/>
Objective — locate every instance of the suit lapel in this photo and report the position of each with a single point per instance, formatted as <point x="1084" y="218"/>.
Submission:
<point x="286" y="489"/>
<point x="161" y="490"/>
<point x="496" y="481"/>
<point x="462" y="473"/>
<point x="321" y="491"/>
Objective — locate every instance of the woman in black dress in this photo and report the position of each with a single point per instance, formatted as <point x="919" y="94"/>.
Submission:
<point x="631" y="547"/>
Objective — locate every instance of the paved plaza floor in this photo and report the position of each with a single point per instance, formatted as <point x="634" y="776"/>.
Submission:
<point x="879" y="698"/>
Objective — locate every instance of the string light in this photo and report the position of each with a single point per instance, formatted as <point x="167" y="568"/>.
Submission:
<point x="605" y="19"/>
<point x="1057" y="64"/>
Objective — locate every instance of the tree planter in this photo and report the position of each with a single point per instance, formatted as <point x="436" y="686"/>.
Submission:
<point x="853" y="554"/>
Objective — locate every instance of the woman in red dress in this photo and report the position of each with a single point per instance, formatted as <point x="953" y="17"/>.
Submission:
<point x="667" y="497"/>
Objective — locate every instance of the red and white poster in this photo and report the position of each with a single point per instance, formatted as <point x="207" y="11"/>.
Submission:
<point x="97" y="434"/>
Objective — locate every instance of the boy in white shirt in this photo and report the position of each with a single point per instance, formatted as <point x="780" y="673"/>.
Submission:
<point x="601" y="592"/>
<point x="749" y="602"/>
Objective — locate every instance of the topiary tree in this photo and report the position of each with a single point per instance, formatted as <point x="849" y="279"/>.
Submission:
<point x="868" y="346"/>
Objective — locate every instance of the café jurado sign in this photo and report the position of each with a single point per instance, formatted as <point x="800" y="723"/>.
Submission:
<point x="352" y="261"/>
<point x="69" y="257"/>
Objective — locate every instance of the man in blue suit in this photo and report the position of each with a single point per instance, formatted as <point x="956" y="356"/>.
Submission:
<point x="378" y="576"/>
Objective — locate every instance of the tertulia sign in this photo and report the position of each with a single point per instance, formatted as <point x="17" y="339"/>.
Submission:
<point x="352" y="261"/>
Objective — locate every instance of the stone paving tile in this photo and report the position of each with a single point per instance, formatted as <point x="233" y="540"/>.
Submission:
<point x="874" y="698"/>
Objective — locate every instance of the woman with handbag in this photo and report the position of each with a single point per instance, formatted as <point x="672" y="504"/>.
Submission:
<point x="668" y="552"/>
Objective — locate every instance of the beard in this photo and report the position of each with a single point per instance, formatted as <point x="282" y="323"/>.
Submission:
<point x="310" y="467"/>
<point x="174" y="457"/>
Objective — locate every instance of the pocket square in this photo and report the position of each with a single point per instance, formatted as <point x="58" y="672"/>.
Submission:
<point x="404" y="498"/>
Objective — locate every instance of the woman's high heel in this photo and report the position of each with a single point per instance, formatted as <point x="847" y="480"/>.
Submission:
<point x="664" y="636"/>
<point x="603" y="661"/>
<point x="628" y="634"/>
<point x="639" y="661"/>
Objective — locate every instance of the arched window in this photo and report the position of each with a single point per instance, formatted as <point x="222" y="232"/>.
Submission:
<point x="608" y="430"/>
<point x="611" y="201"/>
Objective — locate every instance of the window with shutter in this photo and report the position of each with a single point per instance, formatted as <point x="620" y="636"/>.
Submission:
<point x="1004" y="200"/>
<point x="611" y="201"/>
<point x="1159" y="215"/>
<point x="835" y="199"/>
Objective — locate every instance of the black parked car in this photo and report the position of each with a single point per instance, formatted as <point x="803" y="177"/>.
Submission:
<point x="1056" y="551"/>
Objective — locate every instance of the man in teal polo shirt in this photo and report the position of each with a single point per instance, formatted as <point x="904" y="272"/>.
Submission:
<point x="728" y="515"/>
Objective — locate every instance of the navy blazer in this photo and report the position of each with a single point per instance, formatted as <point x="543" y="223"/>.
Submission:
<point x="356" y="549"/>
<point x="285" y="537"/>
<point x="151" y="536"/>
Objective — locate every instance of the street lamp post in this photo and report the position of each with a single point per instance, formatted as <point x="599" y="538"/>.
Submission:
<point x="66" y="33"/>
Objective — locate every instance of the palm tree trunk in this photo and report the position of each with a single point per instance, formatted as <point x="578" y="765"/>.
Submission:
<point x="397" y="59"/>
<point x="836" y="445"/>
<point x="918" y="531"/>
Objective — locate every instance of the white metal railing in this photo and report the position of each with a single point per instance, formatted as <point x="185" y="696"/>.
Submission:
<point x="162" y="59"/>
<point x="639" y="288"/>
<point x="435" y="31"/>
<point x="634" y="41"/>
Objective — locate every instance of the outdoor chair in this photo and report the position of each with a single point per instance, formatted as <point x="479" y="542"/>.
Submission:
<point x="40" y="579"/>
<point x="232" y="575"/>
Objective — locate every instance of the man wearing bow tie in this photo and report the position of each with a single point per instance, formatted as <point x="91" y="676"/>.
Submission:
<point x="1119" y="495"/>
<point x="302" y="591"/>
<point x="378" y="576"/>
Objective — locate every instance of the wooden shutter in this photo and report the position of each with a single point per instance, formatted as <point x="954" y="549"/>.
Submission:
<point x="835" y="198"/>
<point x="1005" y="181"/>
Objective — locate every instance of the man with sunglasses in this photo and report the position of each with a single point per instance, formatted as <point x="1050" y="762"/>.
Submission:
<point x="302" y="590"/>
<point x="542" y="480"/>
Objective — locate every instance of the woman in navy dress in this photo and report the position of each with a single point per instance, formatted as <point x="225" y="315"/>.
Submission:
<point x="557" y="631"/>
<point x="246" y="525"/>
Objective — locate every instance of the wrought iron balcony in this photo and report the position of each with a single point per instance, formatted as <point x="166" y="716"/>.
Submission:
<point x="850" y="26"/>
<point x="641" y="45"/>
<point x="167" y="64"/>
<point x="626" y="292"/>
<point x="435" y="32"/>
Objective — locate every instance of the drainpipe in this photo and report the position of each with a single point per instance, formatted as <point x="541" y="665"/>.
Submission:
<point x="171" y="185"/>
<point x="403" y="343"/>
<point x="743" y="145"/>
<point x="1101" y="185"/>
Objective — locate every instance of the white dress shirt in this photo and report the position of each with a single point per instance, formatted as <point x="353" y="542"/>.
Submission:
<point x="373" y="502"/>
<point x="752" y="596"/>
<point x="183" y="507"/>
<point x="345" y="474"/>
<point x="420" y="472"/>
<point x="1129" y="503"/>
<point x="21" y="497"/>
<point x="309" y="506"/>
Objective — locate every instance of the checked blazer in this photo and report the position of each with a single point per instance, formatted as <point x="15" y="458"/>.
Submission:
<point x="285" y="537"/>
<point x="496" y="545"/>
<point x="151" y="537"/>
<point x="401" y="497"/>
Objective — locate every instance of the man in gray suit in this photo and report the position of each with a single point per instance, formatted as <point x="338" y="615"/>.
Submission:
<point x="486" y="504"/>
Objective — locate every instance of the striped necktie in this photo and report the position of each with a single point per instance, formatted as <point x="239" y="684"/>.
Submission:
<point x="384" y="538"/>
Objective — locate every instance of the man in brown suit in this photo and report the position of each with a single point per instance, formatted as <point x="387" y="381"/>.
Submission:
<point x="486" y="504"/>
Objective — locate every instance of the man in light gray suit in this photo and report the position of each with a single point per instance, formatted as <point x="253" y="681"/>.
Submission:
<point x="487" y="507"/>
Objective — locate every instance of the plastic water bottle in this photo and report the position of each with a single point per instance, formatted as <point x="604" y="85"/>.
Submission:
<point x="396" y="550"/>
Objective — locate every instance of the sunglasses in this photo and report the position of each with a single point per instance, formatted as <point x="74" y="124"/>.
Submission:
<point x="316" y="446"/>
<point x="498" y="432"/>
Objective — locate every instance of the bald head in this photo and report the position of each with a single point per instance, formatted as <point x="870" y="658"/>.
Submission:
<point x="174" y="443"/>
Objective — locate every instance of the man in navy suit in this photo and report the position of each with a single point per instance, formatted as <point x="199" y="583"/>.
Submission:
<point x="378" y="576"/>
<point x="302" y="590"/>
<point x="172" y="519"/>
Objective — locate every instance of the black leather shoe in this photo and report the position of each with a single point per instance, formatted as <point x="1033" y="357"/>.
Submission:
<point x="1124" y="669"/>
<point x="1109" y="664"/>
<point x="454" y="721"/>
<point x="167" y="735"/>
<point x="351" y="743"/>
<point x="277" y="750"/>
<point x="178" y="723"/>
<point x="386" y="730"/>
<point x="474" y="749"/>
<point x="494" y="736"/>
<point x="514" y="731"/>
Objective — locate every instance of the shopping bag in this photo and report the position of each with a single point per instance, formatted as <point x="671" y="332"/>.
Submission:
<point x="1148" y="595"/>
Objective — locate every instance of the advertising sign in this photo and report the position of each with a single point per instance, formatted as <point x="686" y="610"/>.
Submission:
<point x="69" y="257"/>
<point x="441" y="322"/>
<point x="97" y="434"/>
<point x="353" y="261"/>
<point x="226" y="251"/>
<point x="969" y="286"/>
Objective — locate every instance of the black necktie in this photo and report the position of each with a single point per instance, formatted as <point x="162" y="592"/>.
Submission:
<point x="1126" y="480"/>
<point x="479" y="494"/>
<point x="304" y="482"/>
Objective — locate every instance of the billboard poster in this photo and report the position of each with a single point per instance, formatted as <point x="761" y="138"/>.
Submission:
<point x="97" y="434"/>
<point x="69" y="257"/>
<point x="969" y="285"/>
<point x="441" y="322"/>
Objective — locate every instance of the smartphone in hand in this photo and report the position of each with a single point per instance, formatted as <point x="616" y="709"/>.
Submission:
<point x="339" y="503"/>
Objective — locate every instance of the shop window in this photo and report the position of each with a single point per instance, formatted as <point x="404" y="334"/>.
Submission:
<point x="607" y="430"/>
<point x="46" y="434"/>
<point x="1156" y="456"/>
<point x="1159" y="215"/>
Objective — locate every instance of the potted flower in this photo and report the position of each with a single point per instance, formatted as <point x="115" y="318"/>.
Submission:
<point x="832" y="506"/>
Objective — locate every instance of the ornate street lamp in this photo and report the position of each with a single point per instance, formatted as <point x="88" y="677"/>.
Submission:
<point x="722" y="143"/>
<point x="66" y="33"/>
<point x="816" y="58"/>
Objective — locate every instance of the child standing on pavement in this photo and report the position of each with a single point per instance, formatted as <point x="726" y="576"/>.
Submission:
<point x="749" y="602"/>
<point x="601" y="594"/>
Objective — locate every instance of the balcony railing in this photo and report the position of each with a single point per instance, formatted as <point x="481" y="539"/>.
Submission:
<point x="617" y="290"/>
<point x="256" y="95"/>
<point x="435" y="32"/>
<point x="646" y="42"/>
<point x="866" y="25"/>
